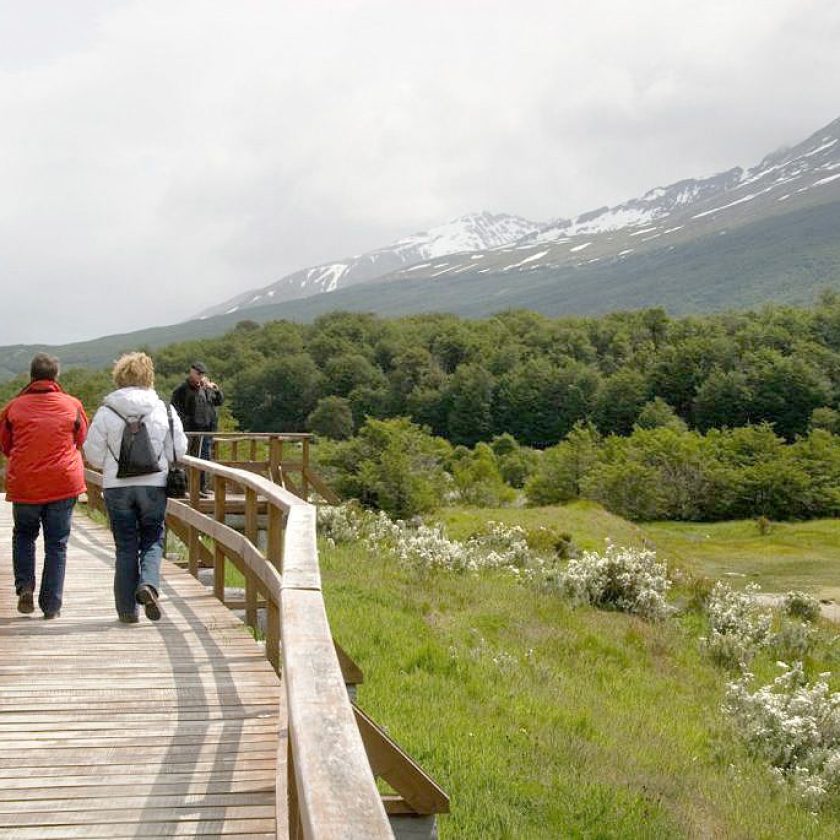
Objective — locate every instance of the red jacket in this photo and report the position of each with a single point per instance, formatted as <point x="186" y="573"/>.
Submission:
<point x="41" y="431"/>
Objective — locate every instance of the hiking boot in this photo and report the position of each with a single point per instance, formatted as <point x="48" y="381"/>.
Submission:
<point x="146" y="596"/>
<point x="26" y="603"/>
<point x="55" y="614"/>
<point x="129" y="618"/>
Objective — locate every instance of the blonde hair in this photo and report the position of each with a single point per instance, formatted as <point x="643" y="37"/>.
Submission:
<point x="134" y="370"/>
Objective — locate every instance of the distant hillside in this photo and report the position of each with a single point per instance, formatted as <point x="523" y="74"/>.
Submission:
<point x="467" y="233"/>
<point x="686" y="213"/>
<point x="735" y="240"/>
<point x="787" y="258"/>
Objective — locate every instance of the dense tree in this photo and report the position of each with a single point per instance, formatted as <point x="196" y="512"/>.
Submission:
<point x="278" y="395"/>
<point x="469" y="400"/>
<point x="619" y="402"/>
<point x="392" y="465"/>
<point x="332" y="418"/>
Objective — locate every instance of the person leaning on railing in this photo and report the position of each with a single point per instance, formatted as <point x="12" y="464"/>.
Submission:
<point x="196" y="400"/>
<point x="136" y="504"/>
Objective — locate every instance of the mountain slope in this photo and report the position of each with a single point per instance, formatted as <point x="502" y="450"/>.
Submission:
<point x="785" y="182"/>
<point x="467" y="233"/>
<point x="738" y="239"/>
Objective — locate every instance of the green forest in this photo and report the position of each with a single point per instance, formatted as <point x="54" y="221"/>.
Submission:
<point x="699" y="418"/>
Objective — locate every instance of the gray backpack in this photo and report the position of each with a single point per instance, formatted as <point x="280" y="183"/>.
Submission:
<point x="137" y="456"/>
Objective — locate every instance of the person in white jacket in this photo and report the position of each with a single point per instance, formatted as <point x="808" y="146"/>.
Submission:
<point x="137" y="505"/>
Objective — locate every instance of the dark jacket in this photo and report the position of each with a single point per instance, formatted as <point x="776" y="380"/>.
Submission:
<point x="41" y="431"/>
<point x="196" y="406"/>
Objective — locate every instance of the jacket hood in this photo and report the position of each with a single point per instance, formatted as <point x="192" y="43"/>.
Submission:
<point x="132" y="402"/>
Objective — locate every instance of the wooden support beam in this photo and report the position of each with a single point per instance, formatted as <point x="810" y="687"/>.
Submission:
<point x="399" y="770"/>
<point x="351" y="672"/>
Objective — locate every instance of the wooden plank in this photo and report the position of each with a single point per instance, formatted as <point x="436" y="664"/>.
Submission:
<point x="166" y="728"/>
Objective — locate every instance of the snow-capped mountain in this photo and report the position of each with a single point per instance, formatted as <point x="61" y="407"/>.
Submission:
<point x="473" y="232"/>
<point x="789" y="179"/>
<point x="664" y="218"/>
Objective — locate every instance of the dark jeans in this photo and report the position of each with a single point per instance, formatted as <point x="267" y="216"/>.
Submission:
<point x="56" y="518"/>
<point x="136" y="515"/>
<point x="200" y="447"/>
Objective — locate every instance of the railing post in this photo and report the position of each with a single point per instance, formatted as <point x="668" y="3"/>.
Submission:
<point x="274" y="542"/>
<point x="218" y="554"/>
<point x="195" y="487"/>
<point x="193" y="550"/>
<point x="252" y="533"/>
<point x="304" y="470"/>
<point x="275" y="453"/>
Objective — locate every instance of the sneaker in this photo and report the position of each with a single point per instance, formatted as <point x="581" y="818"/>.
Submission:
<point x="26" y="603"/>
<point x="129" y="618"/>
<point x="146" y="596"/>
<point x="49" y="615"/>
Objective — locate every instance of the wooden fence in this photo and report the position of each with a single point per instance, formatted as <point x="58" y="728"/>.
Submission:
<point x="326" y="780"/>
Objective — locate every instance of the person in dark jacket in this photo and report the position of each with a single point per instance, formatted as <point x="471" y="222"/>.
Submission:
<point x="196" y="400"/>
<point x="41" y="432"/>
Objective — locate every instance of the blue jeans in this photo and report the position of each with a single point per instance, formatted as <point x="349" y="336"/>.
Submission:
<point x="56" y="518"/>
<point x="136" y="515"/>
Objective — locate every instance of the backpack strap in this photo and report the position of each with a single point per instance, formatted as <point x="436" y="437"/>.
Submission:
<point x="113" y="454"/>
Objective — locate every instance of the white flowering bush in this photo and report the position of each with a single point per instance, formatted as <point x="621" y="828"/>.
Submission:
<point x="739" y="625"/>
<point x="793" y="639"/>
<point x="340" y="523"/>
<point x="426" y="547"/>
<point x="625" y="579"/>
<point x="801" y="605"/>
<point x="793" y="724"/>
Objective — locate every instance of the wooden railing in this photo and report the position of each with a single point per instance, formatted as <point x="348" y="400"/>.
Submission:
<point x="283" y="457"/>
<point x="326" y="786"/>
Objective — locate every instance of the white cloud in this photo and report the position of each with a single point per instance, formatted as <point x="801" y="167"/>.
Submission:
<point x="157" y="157"/>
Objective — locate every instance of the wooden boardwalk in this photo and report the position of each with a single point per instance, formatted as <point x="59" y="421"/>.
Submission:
<point x="166" y="729"/>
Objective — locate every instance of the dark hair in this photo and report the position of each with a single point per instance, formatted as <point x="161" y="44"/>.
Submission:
<point x="43" y="366"/>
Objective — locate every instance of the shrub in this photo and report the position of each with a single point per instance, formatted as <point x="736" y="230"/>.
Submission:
<point x="332" y="418"/>
<point x="391" y="465"/>
<point x="801" y="605"/>
<point x="550" y="542"/>
<point x="478" y="480"/>
<point x="795" y="726"/>
<point x="739" y="625"/>
<point x="423" y="548"/>
<point x="625" y="579"/>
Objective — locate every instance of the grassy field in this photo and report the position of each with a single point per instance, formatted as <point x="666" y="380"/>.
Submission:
<point x="545" y="722"/>
<point x="793" y="555"/>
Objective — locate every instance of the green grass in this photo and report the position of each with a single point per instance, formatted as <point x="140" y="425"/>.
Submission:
<point x="545" y="722"/>
<point x="793" y="555"/>
<point x="588" y="523"/>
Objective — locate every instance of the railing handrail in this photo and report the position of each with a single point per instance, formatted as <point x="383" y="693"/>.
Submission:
<point x="255" y="435"/>
<point x="331" y="786"/>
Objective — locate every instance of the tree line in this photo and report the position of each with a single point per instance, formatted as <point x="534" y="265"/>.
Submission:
<point x="658" y="399"/>
<point x="531" y="376"/>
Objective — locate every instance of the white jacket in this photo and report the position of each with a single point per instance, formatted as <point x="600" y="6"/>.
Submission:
<point x="102" y="446"/>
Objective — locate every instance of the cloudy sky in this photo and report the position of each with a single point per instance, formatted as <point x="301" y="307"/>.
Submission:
<point x="159" y="156"/>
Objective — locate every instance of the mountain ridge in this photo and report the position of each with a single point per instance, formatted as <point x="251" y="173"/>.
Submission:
<point x="736" y="239"/>
<point x="465" y="233"/>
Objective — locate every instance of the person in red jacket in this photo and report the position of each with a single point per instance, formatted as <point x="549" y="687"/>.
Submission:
<point x="41" y="432"/>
